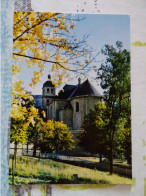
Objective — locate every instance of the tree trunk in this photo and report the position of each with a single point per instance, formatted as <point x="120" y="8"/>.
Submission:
<point x="22" y="150"/>
<point x="111" y="159"/>
<point x="27" y="147"/>
<point x="14" y="163"/>
<point x="13" y="170"/>
<point x="129" y="159"/>
<point x="34" y="149"/>
<point x="100" y="158"/>
<point x="15" y="153"/>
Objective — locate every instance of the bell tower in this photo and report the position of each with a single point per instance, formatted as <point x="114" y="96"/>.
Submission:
<point x="48" y="92"/>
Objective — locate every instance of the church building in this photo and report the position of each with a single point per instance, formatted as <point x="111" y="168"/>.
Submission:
<point x="71" y="104"/>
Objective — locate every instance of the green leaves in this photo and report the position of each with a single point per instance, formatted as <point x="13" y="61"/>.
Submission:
<point x="107" y="128"/>
<point x="114" y="75"/>
<point x="93" y="137"/>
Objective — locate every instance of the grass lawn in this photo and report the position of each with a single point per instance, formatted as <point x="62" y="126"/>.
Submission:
<point x="31" y="170"/>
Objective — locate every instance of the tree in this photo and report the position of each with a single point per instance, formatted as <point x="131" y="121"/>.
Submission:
<point x="23" y="114"/>
<point x="18" y="134"/>
<point x="46" y="37"/>
<point x="115" y="80"/>
<point x="93" y="137"/>
<point x="50" y="136"/>
<point x="124" y="137"/>
<point x="34" y="132"/>
<point x="107" y="128"/>
<point x="55" y="137"/>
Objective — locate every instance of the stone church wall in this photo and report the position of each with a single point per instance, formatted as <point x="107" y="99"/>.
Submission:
<point x="53" y="107"/>
<point x="91" y="101"/>
<point x="85" y="104"/>
<point x="68" y="117"/>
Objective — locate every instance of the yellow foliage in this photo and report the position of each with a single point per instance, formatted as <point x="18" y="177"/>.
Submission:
<point x="32" y="34"/>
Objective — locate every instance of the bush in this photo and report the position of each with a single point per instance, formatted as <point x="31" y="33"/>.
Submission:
<point x="55" y="137"/>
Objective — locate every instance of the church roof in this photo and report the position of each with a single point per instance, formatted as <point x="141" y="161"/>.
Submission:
<point x="70" y="91"/>
<point x="86" y="88"/>
<point x="48" y="83"/>
<point x="68" y="87"/>
<point x="66" y="92"/>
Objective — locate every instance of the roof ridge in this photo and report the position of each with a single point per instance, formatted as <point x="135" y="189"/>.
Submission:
<point x="78" y="85"/>
<point x="73" y="92"/>
<point x="70" y="84"/>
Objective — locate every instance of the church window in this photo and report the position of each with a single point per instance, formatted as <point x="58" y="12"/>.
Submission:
<point x="48" y="90"/>
<point x="52" y="91"/>
<point x="77" y="106"/>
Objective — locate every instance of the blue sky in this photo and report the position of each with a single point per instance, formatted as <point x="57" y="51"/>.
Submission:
<point x="102" y="29"/>
<point x="105" y="29"/>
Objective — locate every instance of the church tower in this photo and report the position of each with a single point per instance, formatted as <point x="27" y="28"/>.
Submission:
<point x="48" y="92"/>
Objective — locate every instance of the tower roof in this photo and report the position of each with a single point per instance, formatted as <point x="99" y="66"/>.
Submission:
<point x="48" y="84"/>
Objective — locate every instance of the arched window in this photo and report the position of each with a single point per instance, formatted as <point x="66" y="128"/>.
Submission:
<point x="52" y="90"/>
<point x="77" y="106"/>
<point x="48" y="90"/>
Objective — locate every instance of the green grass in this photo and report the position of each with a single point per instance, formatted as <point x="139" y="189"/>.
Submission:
<point x="34" y="171"/>
<point x="24" y="180"/>
<point x="123" y="165"/>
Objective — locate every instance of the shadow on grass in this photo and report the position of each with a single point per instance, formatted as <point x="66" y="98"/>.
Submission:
<point x="53" y="180"/>
<point x="100" y="166"/>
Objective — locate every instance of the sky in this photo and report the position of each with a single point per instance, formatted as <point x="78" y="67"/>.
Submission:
<point x="102" y="29"/>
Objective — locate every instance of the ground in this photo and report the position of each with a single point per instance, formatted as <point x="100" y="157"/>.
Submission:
<point x="53" y="172"/>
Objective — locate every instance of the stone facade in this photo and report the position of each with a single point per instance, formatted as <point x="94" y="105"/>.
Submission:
<point x="86" y="102"/>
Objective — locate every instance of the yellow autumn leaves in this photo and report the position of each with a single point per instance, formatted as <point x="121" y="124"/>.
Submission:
<point x="44" y="39"/>
<point x="55" y="136"/>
